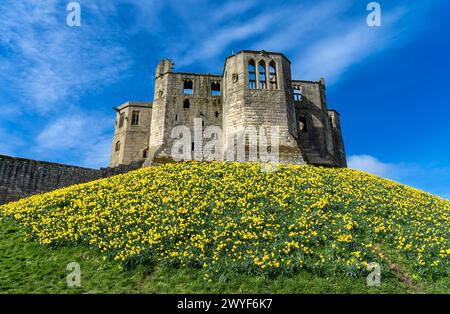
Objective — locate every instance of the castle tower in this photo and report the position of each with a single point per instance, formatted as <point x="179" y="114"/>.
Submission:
<point x="131" y="133"/>
<point x="179" y="99"/>
<point x="162" y="101"/>
<point x="258" y="92"/>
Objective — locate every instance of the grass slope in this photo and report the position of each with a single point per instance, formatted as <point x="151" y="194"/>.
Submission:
<point x="223" y="227"/>
<point x="28" y="267"/>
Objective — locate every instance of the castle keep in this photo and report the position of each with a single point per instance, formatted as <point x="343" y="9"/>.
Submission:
<point x="255" y="89"/>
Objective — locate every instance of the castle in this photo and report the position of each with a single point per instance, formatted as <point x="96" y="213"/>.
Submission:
<point x="255" y="89"/>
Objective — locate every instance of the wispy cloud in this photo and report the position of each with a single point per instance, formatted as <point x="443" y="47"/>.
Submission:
<point x="348" y="45"/>
<point x="323" y="38"/>
<point x="50" y="64"/>
<point x="221" y="39"/>
<point x="88" y="143"/>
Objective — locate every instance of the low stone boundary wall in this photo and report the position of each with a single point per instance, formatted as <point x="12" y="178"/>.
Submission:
<point x="20" y="177"/>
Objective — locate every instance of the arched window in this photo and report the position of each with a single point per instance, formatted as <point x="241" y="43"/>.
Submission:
<point x="117" y="148"/>
<point x="188" y="87"/>
<point x="135" y="118"/>
<point x="186" y="104"/>
<point x="297" y="93"/>
<point x="145" y="153"/>
<point x="262" y="75"/>
<point x="251" y="74"/>
<point x="273" y="75"/>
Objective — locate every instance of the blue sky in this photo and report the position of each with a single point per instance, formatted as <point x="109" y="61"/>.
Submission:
<point x="390" y="84"/>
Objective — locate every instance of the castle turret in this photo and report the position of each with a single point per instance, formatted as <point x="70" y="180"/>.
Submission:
<point x="257" y="93"/>
<point x="131" y="133"/>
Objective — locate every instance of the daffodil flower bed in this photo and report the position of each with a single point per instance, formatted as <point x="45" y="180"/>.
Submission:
<point x="233" y="217"/>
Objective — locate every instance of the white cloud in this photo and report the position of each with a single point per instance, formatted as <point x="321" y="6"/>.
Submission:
<point x="432" y="178"/>
<point x="233" y="8"/>
<point x="85" y="137"/>
<point x="64" y="133"/>
<point x="370" y="164"/>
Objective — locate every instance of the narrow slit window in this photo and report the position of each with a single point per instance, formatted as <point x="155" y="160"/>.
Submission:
<point x="135" y="118"/>
<point x="186" y="104"/>
<point x="302" y="124"/>
<point x="188" y="87"/>
<point x="217" y="114"/>
<point x="297" y="93"/>
<point x="273" y="75"/>
<point x="117" y="148"/>
<point x="331" y="121"/>
<point x="121" y="119"/>
<point x="251" y="74"/>
<point x="215" y="89"/>
<point x="145" y="153"/>
<point x="262" y="75"/>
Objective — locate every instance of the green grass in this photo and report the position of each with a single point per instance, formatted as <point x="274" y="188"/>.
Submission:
<point x="27" y="267"/>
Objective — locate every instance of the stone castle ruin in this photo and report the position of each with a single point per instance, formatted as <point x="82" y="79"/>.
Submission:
<point x="255" y="90"/>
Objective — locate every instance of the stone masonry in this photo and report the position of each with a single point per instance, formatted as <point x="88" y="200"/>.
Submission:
<point x="21" y="177"/>
<point x="254" y="90"/>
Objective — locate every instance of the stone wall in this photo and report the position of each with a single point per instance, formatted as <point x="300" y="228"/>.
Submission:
<point x="265" y="105"/>
<point x="319" y="137"/>
<point x="307" y="133"/>
<point x="21" y="177"/>
<point x="173" y="106"/>
<point x="130" y="140"/>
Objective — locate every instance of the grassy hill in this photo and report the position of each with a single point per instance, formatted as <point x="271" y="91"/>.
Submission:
<point x="228" y="227"/>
